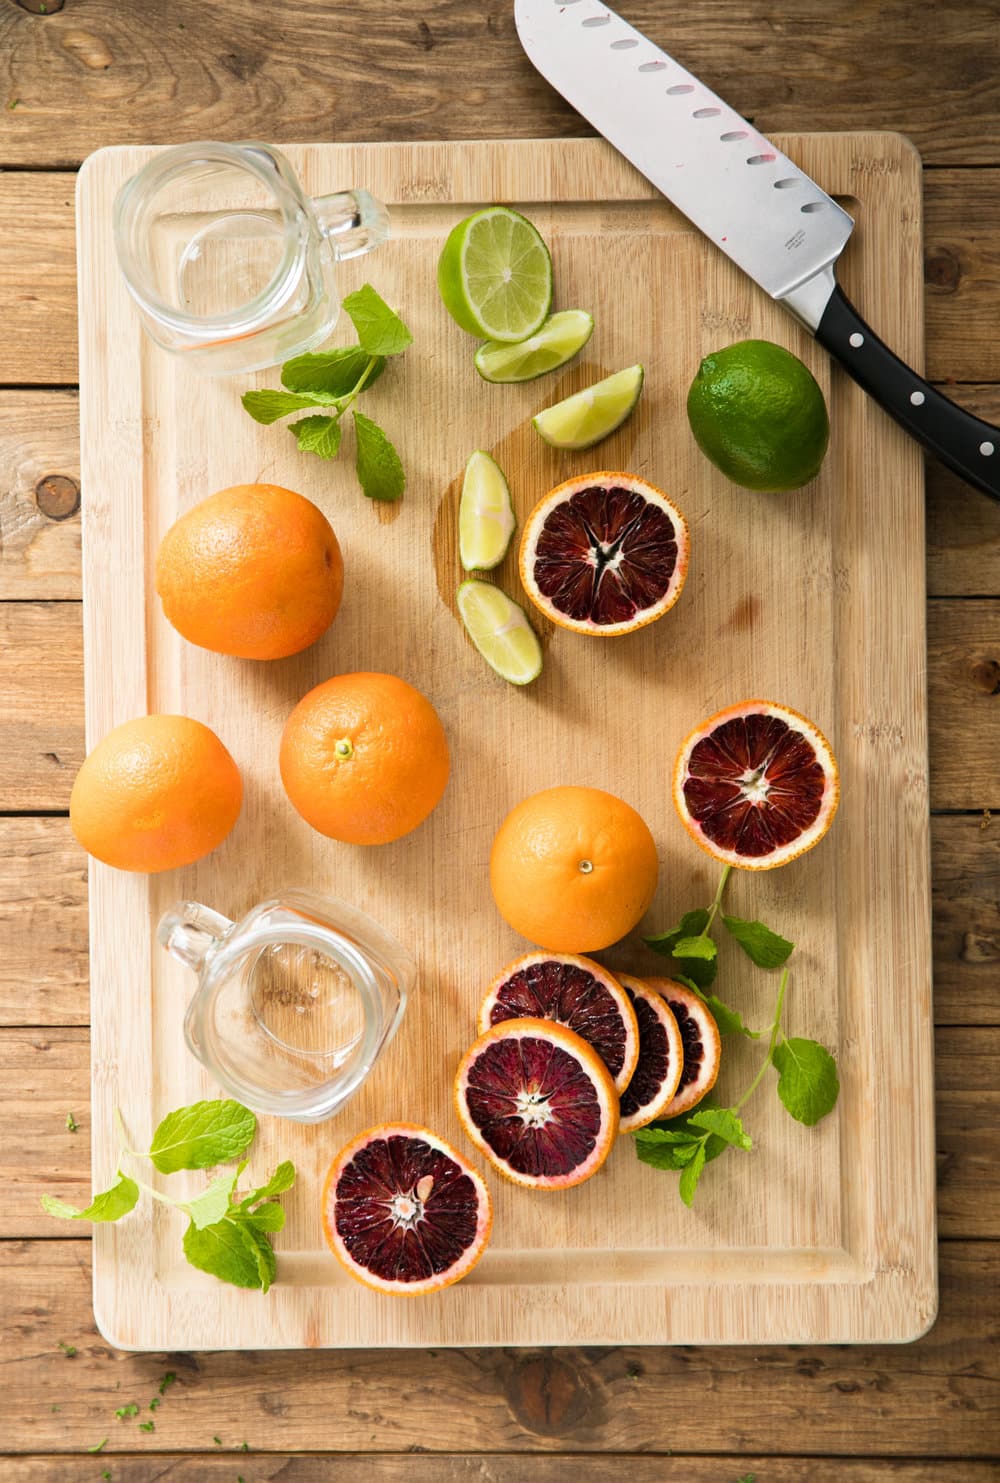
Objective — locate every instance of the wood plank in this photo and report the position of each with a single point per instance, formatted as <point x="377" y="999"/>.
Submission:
<point x="962" y="270"/>
<point x="41" y="680"/>
<point x="43" y="924"/>
<point x="329" y="1468"/>
<point x="41" y="696"/>
<point x="965" y="869"/>
<point x="938" y="1397"/>
<point x="45" y="1073"/>
<point x="40" y="551"/>
<point x="39" y="494"/>
<point x="190" y="71"/>
<point x="963" y="682"/>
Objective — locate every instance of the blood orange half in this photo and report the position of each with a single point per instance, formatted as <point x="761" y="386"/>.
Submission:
<point x="404" y="1212"/>
<point x="539" y="1102"/>
<point x="702" y="1045"/>
<point x="604" y="553"/>
<point x="756" y="785"/>
<point x="575" y="992"/>
<point x="661" y="1057"/>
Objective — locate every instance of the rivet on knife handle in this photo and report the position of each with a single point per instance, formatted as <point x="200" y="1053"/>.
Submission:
<point x="963" y="442"/>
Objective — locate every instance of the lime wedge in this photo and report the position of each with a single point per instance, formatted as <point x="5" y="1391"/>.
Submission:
<point x="560" y="338"/>
<point x="485" y="514"/>
<point x="585" y="418"/>
<point x="495" y="275"/>
<point x="500" y="631"/>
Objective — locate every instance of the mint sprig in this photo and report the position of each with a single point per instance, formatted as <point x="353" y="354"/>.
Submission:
<point x="228" y="1232"/>
<point x="327" y="384"/>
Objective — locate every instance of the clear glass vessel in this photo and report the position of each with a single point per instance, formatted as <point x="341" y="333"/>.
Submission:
<point x="294" y="1003"/>
<point x="230" y="263"/>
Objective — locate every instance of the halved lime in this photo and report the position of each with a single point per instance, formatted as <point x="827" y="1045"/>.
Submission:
<point x="485" y="514"/>
<point x="495" y="275"/>
<point x="500" y="631"/>
<point x="561" y="337"/>
<point x="590" y="415"/>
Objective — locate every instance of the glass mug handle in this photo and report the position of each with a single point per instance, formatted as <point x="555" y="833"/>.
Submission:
<point x="189" y="932"/>
<point x="353" y="221"/>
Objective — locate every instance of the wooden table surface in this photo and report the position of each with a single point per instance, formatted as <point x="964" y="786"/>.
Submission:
<point x="77" y="74"/>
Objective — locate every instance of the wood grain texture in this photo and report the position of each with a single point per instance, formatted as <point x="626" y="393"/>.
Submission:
<point x="44" y="1073"/>
<point x="484" y="1469"/>
<point x="38" y="276"/>
<point x="39" y="488"/>
<point x="43" y="924"/>
<point x="41" y="682"/>
<point x="40" y="555"/>
<point x="966" y="896"/>
<point x="103" y="73"/>
<point x="824" y="1256"/>
<point x="963" y="676"/>
<point x="938" y="1397"/>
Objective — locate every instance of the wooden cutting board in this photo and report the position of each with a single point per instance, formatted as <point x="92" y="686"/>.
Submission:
<point x="815" y="599"/>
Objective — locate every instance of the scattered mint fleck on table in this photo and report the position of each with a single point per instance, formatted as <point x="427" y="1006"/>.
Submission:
<point x="99" y="1446"/>
<point x="327" y="383"/>
<point x="68" y="1349"/>
<point x="124" y="1411"/>
<point x="71" y="1123"/>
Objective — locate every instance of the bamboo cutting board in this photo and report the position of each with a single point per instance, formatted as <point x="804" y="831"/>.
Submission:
<point x="815" y="599"/>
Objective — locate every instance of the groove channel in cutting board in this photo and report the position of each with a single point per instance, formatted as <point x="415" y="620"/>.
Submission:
<point x="815" y="599"/>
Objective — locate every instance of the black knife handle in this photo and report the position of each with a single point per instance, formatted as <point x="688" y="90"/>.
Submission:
<point x="965" y="443"/>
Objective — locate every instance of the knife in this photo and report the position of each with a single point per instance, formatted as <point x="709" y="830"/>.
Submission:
<point x="748" y="198"/>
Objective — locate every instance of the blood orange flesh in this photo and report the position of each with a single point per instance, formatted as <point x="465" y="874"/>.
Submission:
<point x="604" y="553"/>
<point x="702" y="1045"/>
<point x="539" y="1102"/>
<point x="573" y="991"/>
<point x="756" y="785"/>
<point x="661" y="1057"/>
<point x="404" y="1212"/>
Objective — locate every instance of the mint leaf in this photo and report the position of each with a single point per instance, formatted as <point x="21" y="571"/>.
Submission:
<point x="99" y="1446"/>
<point x="695" y="947"/>
<point x="807" y="1079"/>
<point x="318" y="434"/>
<point x="267" y="1217"/>
<point x="264" y="1253"/>
<point x="281" y="1180"/>
<point x="213" y="1203"/>
<point x="761" y="945"/>
<point x="690" y="1176"/>
<point x="665" y="1149"/>
<point x="692" y="923"/>
<point x="201" y="1135"/>
<point x="111" y="1204"/>
<point x="724" y="1124"/>
<point x="335" y="372"/>
<point x="699" y="973"/>
<point x="729" y="1021"/>
<point x="379" y="330"/>
<point x="380" y="472"/>
<point x="225" y="1250"/>
<point x="268" y="405"/>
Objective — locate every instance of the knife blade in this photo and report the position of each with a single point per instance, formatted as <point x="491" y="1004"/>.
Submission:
<point x="748" y="198"/>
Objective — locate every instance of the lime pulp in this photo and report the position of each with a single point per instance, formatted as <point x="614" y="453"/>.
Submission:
<point x="562" y="336"/>
<point x="500" y="631"/>
<point x="590" y="415"/>
<point x="485" y="514"/>
<point x="495" y="275"/>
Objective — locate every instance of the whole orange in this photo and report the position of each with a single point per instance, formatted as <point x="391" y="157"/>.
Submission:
<point x="364" y="758"/>
<point x="156" y="793"/>
<point x="573" y="869"/>
<point x="254" y="571"/>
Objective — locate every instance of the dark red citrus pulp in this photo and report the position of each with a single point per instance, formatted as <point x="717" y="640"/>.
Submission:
<point x="553" y="990"/>
<point x="653" y="1066"/>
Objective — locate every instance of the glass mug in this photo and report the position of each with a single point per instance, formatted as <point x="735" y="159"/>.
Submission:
<point x="229" y="262"/>
<point x="294" y="1004"/>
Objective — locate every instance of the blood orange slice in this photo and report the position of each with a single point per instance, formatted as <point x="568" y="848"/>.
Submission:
<point x="702" y="1045"/>
<point x="604" y="553"/>
<point x="403" y="1210"/>
<point x="573" y="991"/>
<point x="539" y="1102"/>
<point x="661" y="1057"/>
<point x="756" y="785"/>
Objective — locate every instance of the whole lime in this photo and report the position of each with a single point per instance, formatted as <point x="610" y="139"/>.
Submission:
<point x="758" y="413"/>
